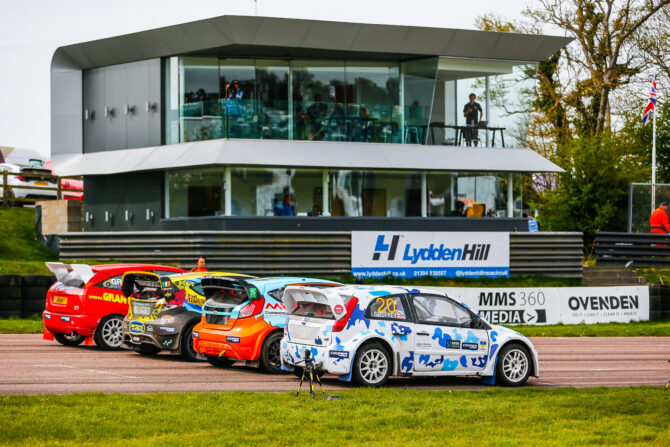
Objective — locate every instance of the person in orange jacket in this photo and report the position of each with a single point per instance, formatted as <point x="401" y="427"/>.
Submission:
<point x="659" y="219"/>
<point x="202" y="260"/>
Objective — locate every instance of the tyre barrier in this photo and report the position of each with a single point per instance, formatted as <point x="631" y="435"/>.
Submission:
<point x="22" y="296"/>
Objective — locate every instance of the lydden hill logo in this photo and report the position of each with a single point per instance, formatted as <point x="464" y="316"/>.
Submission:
<point x="380" y="246"/>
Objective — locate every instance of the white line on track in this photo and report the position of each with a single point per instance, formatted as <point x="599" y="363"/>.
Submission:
<point x="99" y="371"/>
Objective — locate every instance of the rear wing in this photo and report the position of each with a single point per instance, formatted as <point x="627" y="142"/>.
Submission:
<point x="75" y="275"/>
<point x="295" y="295"/>
<point x="146" y="284"/>
<point x="212" y="285"/>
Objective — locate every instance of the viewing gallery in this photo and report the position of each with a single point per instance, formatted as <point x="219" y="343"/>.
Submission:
<point x="262" y="117"/>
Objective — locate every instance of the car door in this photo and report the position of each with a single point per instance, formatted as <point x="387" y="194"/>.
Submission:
<point x="445" y="340"/>
<point x="390" y="318"/>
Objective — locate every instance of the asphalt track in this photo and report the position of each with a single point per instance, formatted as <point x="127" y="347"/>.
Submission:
<point x="31" y="365"/>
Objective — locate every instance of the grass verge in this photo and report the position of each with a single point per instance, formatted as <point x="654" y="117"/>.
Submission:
<point x="31" y="325"/>
<point x="633" y="329"/>
<point x="371" y="417"/>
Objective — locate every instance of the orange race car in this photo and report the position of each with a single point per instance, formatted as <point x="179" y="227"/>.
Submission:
<point x="244" y="318"/>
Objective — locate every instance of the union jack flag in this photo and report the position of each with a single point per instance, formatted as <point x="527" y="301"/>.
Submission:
<point x="652" y="102"/>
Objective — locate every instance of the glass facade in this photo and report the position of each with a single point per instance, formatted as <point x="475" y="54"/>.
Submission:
<point x="300" y="192"/>
<point x="316" y="100"/>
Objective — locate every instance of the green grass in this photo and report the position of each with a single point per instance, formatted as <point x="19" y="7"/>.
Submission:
<point x="505" y="417"/>
<point x="632" y="329"/>
<point x="517" y="281"/>
<point x="31" y="325"/>
<point x="655" y="275"/>
<point x="19" y="241"/>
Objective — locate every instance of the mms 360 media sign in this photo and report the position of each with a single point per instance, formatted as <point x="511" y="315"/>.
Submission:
<point x="415" y="254"/>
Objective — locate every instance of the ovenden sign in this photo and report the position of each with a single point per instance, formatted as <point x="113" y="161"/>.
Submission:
<point x="415" y="254"/>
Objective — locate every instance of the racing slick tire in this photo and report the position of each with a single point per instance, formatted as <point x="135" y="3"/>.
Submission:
<point x="220" y="362"/>
<point x="147" y="349"/>
<point x="108" y="334"/>
<point x="514" y="364"/>
<point x="270" y="356"/>
<point x="68" y="340"/>
<point x="372" y="366"/>
<point x="187" y="349"/>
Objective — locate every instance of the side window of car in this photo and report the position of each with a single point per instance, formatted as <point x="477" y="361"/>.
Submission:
<point x="433" y="309"/>
<point x="389" y="307"/>
<point x="111" y="283"/>
<point x="277" y="293"/>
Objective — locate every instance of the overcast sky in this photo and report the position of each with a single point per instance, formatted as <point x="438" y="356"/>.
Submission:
<point x="31" y="30"/>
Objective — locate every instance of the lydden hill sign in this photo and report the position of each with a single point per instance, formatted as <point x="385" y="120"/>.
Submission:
<point x="417" y="254"/>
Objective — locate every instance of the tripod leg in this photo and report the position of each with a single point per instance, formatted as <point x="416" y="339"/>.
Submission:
<point x="311" y="383"/>
<point x="302" y="379"/>
<point x="320" y="384"/>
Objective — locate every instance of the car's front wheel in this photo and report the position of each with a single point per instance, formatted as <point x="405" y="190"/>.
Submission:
<point x="372" y="366"/>
<point x="270" y="357"/>
<point x="109" y="334"/>
<point x="69" y="340"/>
<point x="514" y="365"/>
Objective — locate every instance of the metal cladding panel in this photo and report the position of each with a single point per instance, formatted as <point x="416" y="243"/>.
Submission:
<point x="331" y="35"/>
<point x="508" y="45"/>
<point x="380" y="38"/>
<point x="137" y="94"/>
<point x="272" y="31"/>
<point x="94" y="103"/>
<point x="467" y="43"/>
<point x="297" y="154"/>
<point x="430" y="40"/>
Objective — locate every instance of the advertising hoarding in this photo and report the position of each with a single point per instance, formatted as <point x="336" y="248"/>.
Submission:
<point x="415" y="254"/>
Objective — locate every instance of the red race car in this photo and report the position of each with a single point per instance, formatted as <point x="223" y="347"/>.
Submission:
<point x="86" y="302"/>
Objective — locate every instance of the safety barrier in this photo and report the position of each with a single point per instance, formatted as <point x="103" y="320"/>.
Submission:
<point x="295" y="252"/>
<point x="638" y="249"/>
<point x="23" y="295"/>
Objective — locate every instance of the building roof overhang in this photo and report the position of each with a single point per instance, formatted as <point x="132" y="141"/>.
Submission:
<point x="239" y="31"/>
<point x="304" y="155"/>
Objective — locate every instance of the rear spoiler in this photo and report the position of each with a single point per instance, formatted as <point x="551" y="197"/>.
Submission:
<point x="300" y="294"/>
<point x="66" y="272"/>
<point x="147" y="284"/>
<point x="212" y="284"/>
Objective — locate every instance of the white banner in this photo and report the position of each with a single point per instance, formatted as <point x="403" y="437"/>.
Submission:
<point x="554" y="305"/>
<point x="414" y="254"/>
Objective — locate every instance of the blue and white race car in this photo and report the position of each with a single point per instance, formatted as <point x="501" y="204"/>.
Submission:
<point x="369" y="333"/>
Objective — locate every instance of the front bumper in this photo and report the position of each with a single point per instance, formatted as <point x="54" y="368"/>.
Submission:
<point x="162" y="336"/>
<point x="325" y="358"/>
<point x="62" y="323"/>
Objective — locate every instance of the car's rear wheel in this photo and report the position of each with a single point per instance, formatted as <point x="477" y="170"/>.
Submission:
<point x="109" y="334"/>
<point x="514" y="363"/>
<point x="187" y="348"/>
<point x="69" y="340"/>
<point x="220" y="362"/>
<point x="372" y="366"/>
<point x="146" y="349"/>
<point x="270" y="356"/>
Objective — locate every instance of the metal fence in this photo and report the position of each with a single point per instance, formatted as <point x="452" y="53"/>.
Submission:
<point x="298" y="253"/>
<point x="641" y="250"/>
<point x="640" y="206"/>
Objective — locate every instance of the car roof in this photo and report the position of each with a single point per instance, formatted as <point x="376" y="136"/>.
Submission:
<point x="280" y="281"/>
<point x="371" y="292"/>
<point x="198" y="275"/>
<point x="109" y="268"/>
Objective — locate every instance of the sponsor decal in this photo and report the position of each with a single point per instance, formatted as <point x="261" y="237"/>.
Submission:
<point x="65" y="318"/>
<point x="515" y="316"/>
<point x="136" y="327"/>
<point x="482" y="343"/>
<point x="167" y="342"/>
<point x="338" y="309"/>
<point x="275" y="309"/>
<point x="110" y="298"/>
<point x="338" y="354"/>
<point x="194" y="298"/>
<point x="233" y="339"/>
<point x="150" y="328"/>
<point x="47" y="316"/>
<point x="423" y="345"/>
<point x="453" y="344"/>
<point x="167" y="329"/>
<point x="470" y="346"/>
<point x="195" y="334"/>
<point x="624" y="302"/>
<point x="253" y="292"/>
<point x="414" y="254"/>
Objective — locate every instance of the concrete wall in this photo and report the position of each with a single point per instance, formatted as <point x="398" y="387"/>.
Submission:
<point x="61" y="216"/>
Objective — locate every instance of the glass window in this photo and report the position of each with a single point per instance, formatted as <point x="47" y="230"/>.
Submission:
<point x="471" y="194"/>
<point x="276" y="192"/>
<point x="375" y="193"/>
<point x="387" y="308"/>
<point x="418" y="86"/>
<point x="195" y="193"/>
<point x="238" y="89"/>
<point x="434" y="309"/>
<point x="272" y="99"/>
<point x="200" y="114"/>
<point x="113" y="283"/>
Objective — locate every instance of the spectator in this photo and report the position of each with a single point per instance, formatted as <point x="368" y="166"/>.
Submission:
<point x="460" y="209"/>
<point x="473" y="113"/>
<point x="659" y="219"/>
<point x="201" y="265"/>
<point x="287" y="207"/>
<point x="533" y="226"/>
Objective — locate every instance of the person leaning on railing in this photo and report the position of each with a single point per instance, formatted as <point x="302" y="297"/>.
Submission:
<point x="659" y="219"/>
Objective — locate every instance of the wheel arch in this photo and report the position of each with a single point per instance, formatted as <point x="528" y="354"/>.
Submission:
<point x="385" y="343"/>
<point x="535" y="367"/>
